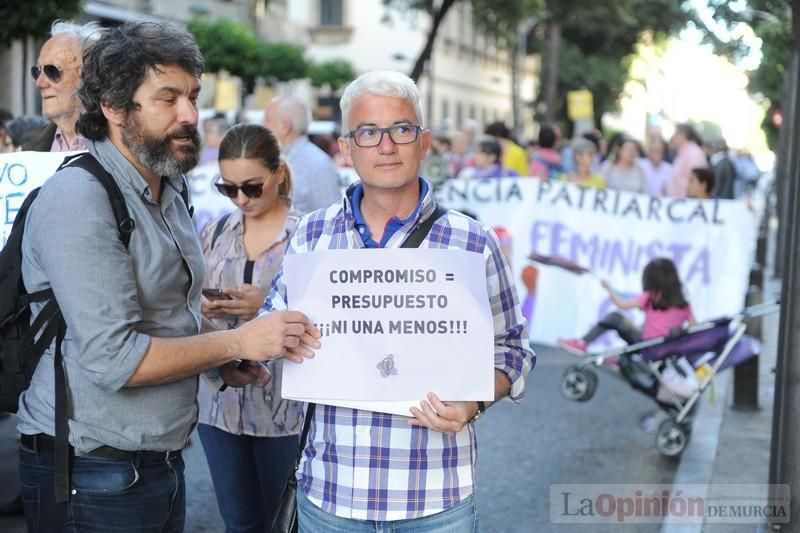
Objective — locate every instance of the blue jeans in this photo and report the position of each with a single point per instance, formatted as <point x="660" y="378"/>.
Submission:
<point x="463" y="518"/>
<point x="249" y="474"/>
<point x="143" y="495"/>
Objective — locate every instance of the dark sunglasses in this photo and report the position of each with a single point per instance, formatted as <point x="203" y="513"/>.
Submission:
<point x="251" y="190"/>
<point x="52" y="72"/>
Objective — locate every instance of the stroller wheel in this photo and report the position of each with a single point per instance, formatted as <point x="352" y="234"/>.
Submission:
<point x="578" y="383"/>
<point x="671" y="438"/>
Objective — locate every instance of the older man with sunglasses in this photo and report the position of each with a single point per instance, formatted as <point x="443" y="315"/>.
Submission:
<point x="57" y="75"/>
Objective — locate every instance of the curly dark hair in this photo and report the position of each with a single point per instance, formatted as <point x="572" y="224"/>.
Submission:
<point x="116" y="65"/>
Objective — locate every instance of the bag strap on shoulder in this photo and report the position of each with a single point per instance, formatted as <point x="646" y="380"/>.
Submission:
<point x="418" y="234"/>
<point x="90" y="164"/>
<point x="218" y="228"/>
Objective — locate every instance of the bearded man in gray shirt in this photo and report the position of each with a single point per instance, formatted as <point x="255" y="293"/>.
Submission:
<point x="133" y="346"/>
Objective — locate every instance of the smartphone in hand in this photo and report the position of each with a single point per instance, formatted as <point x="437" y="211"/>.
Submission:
<point x="216" y="294"/>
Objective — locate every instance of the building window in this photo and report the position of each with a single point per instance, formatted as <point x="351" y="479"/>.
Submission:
<point x="330" y="13"/>
<point x="459" y="115"/>
<point x="445" y="109"/>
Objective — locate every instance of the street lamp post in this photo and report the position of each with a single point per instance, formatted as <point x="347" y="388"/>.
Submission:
<point x="785" y="449"/>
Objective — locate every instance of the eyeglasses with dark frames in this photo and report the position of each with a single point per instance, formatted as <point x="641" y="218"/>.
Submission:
<point x="370" y="136"/>
<point x="251" y="190"/>
<point x="53" y="73"/>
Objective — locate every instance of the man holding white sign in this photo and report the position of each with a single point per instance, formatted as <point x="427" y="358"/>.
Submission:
<point x="361" y="463"/>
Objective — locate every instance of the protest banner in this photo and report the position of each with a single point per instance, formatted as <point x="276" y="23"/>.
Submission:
<point x="612" y="234"/>
<point x="20" y="173"/>
<point x="396" y="324"/>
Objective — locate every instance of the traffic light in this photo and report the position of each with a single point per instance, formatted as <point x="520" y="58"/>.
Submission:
<point x="777" y="118"/>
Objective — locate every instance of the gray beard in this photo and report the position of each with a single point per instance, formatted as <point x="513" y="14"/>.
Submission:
<point x="155" y="154"/>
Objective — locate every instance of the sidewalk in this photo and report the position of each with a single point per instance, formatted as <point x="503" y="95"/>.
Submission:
<point x="730" y="446"/>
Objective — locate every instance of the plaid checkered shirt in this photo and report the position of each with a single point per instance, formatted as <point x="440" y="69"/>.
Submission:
<point x="374" y="466"/>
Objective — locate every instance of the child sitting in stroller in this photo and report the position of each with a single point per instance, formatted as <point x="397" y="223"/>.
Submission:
<point x="663" y="303"/>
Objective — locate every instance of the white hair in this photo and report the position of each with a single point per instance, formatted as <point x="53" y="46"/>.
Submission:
<point x="295" y="110"/>
<point x="380" y="83"/>
<point x="470" y="124"/>
<point x="86" y="33"/>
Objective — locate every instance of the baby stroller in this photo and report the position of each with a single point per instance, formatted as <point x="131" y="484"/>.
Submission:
<point x="673" y="370"/>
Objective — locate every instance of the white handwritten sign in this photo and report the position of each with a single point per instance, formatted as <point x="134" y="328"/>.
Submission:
<point x="396" y="324"/>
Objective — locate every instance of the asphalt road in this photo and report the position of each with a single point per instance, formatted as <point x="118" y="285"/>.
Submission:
<point x="523" y="450"/>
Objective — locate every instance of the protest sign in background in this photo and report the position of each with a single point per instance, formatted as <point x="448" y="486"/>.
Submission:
<point x="396" y="324"/>
<point x="614" y="234"/>
<point x="20" y="173"/>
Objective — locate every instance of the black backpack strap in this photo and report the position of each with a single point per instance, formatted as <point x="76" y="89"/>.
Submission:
<point x="218" y="228"/>
<point x="63" y="452"/>
<point x="53" y="326"/>
<point x="49" y="314"/>
<point x="90" y="164"/>
<point x="418" y="234"/>
<point x="57" y="327"/>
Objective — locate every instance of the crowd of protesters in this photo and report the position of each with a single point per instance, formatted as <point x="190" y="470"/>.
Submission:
<point x="106" y="452"/>
<point x="655" y="166"/>
<point x="273" y="173"/>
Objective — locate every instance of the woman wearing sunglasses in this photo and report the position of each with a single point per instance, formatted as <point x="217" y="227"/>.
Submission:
<point x="249" y="434"/>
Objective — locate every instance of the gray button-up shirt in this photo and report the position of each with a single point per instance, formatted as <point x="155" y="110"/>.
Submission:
<point x="315" y="180"/>
<point x="113" y="301"/>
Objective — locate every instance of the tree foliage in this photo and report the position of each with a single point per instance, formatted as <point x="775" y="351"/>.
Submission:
<point x="770" y="21"/>
<point x="495" y="17"/>
<point x="597" y="38"/>
<point x="33" y="17"/>
<point x="230" y="46"/>
<point x="335" y="74"/>
<point x="281" y="62"/>
<point x="226" y="45"/>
